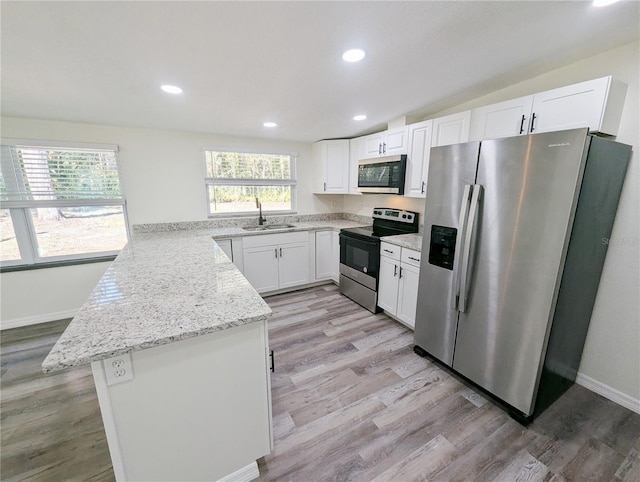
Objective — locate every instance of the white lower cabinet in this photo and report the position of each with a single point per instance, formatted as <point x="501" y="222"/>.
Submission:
<point x="276" y="261"/>
<point x="327" y="255"/>
<point x="398" y="282"/>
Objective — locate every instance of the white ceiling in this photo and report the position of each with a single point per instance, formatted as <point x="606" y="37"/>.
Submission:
<point x="243" y="63"/>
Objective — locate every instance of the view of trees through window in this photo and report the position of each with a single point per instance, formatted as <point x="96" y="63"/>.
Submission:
<point x="235" y="179"/>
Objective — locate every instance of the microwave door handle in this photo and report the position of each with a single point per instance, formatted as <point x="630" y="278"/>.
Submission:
<point x="469" y="241"/>
<point x="462" y="223"/>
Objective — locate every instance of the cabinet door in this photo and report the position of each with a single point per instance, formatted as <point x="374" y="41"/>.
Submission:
<point x="373" y="145"/>
<point x="336" y="172"/>
<point x="396" y="141"/>
<point x="408" y="294"/>
<point x="324" y="254"/>
<point x="335" y="255"/>
<point x="504" y="119"/>
<point x="355" y="154"/>
<point x="225" y="245"/>
<point x="388" y="284"/>
<point x="261" y="267"/>
<point x="293" y="266"/>
<point x="577" y="105"/>
<point x="418" y="159"/>
<point x="451" y="129"/>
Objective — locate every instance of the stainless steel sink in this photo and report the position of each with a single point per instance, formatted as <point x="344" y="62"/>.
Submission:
<point x="254" y="228"/>
<point x="279" y="226"/>
<point x="268" y="227"/>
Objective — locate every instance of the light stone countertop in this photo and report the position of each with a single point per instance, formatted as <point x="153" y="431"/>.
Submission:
<point x="411" y="241"/>
<point x="163" y="287"/>
<point x="333" y="224"/>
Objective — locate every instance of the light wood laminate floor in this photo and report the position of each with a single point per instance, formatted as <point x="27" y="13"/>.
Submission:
<point x="351" y="401"/>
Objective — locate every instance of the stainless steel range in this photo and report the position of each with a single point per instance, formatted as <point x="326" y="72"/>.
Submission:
<point x="360" y="253"/>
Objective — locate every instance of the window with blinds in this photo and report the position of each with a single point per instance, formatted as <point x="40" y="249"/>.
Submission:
<point x="235" y="179"/>
<point x="59" y="203"/>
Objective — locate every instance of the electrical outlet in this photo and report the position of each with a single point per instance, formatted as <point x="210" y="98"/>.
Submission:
<point x="118" y="369"/>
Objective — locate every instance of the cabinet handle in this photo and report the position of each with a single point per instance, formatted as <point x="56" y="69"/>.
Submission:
<point x="400" y="276"/>
<point x="325" y="186"/>
<point x="379" y="149"/>
<point x="281" y="252"/>
<point x="413" y="259"/>
<point x="422" y="190"/>
<point x="276" y="250"/>
<point x="522" y="124"/>
<point x="273" y="361"/>
<point x="384" y="147"/>
<point x="395" y="270"/>
<point x="533" y="119"/>
<point x="387" y="251"/>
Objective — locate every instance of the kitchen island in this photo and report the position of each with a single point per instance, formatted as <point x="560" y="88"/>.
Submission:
<point x="178" y="345"/>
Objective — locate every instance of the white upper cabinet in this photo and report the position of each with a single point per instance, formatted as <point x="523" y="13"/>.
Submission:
<point x="504" y="119"/>
<point x="372" y="145"/>
<point x="418" y="159"/>
<point x="356" y="152"/>
<point x="596" y="104"/>
<point x="386" y="143"/>
<point x="396" y="141"/>
<point x="332" y="166"/>
<point x="451" y="129"/>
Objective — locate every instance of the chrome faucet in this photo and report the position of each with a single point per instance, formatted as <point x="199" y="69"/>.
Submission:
<point x="261" y="220"/>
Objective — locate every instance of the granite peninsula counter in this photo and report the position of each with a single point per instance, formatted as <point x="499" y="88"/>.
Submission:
<point x="177" y="340"/>
<point x="163" y="287"/>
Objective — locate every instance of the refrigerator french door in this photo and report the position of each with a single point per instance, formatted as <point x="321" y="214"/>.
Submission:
<point x="498" y="227"/>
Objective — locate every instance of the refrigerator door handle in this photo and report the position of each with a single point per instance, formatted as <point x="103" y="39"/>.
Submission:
<point x="462" y="224"/>
<point x="468" y="243"/>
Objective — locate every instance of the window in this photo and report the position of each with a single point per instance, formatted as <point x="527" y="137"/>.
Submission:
<point x="235" y="179"/>
<point x="59" y="203"/>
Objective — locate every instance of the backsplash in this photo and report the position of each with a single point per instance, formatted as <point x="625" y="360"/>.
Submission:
<point x="246" y="221"/>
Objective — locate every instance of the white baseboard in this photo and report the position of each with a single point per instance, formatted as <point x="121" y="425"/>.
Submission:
<point x="245" y="474"/>
<point x="606" y="391"/>
<point x="34" y="320"/>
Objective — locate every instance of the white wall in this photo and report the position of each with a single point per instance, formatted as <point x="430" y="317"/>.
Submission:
<point x="611" y="359"/>
<point x="41" y="295"/>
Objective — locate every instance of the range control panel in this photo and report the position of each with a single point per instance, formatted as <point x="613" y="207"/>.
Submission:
<point x="394" y="215"/>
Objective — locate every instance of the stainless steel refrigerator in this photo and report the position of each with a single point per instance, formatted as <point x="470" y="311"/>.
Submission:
<point x="516" y="234"/>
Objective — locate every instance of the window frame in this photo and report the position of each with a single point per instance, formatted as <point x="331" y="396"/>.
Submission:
<point x="212" y="181"/>
<point x="22" y="221"/>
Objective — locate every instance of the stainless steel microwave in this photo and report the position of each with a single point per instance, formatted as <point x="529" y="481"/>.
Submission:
<point x="382" y="174"/>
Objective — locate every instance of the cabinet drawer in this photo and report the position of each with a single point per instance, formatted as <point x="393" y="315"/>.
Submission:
<point x="273" y="239"/>
<point x="411" y="257"/>
<point x="390" y="251"/>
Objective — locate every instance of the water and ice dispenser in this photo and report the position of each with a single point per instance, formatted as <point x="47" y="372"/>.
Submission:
<point x="442" y="246"/>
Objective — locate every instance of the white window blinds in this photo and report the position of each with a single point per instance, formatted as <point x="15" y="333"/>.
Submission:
<point x="34" y="175"/>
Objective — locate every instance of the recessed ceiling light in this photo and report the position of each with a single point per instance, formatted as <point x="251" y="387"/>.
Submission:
<point x="353" y="55"/>
<point x="270" y="124"/>
<point x="603" y="3"/>
<point x="171" y="89"/>
<point x="359" y="117"/>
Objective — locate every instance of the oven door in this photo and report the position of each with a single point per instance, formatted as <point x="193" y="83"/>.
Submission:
<point x="361" y="255"/>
